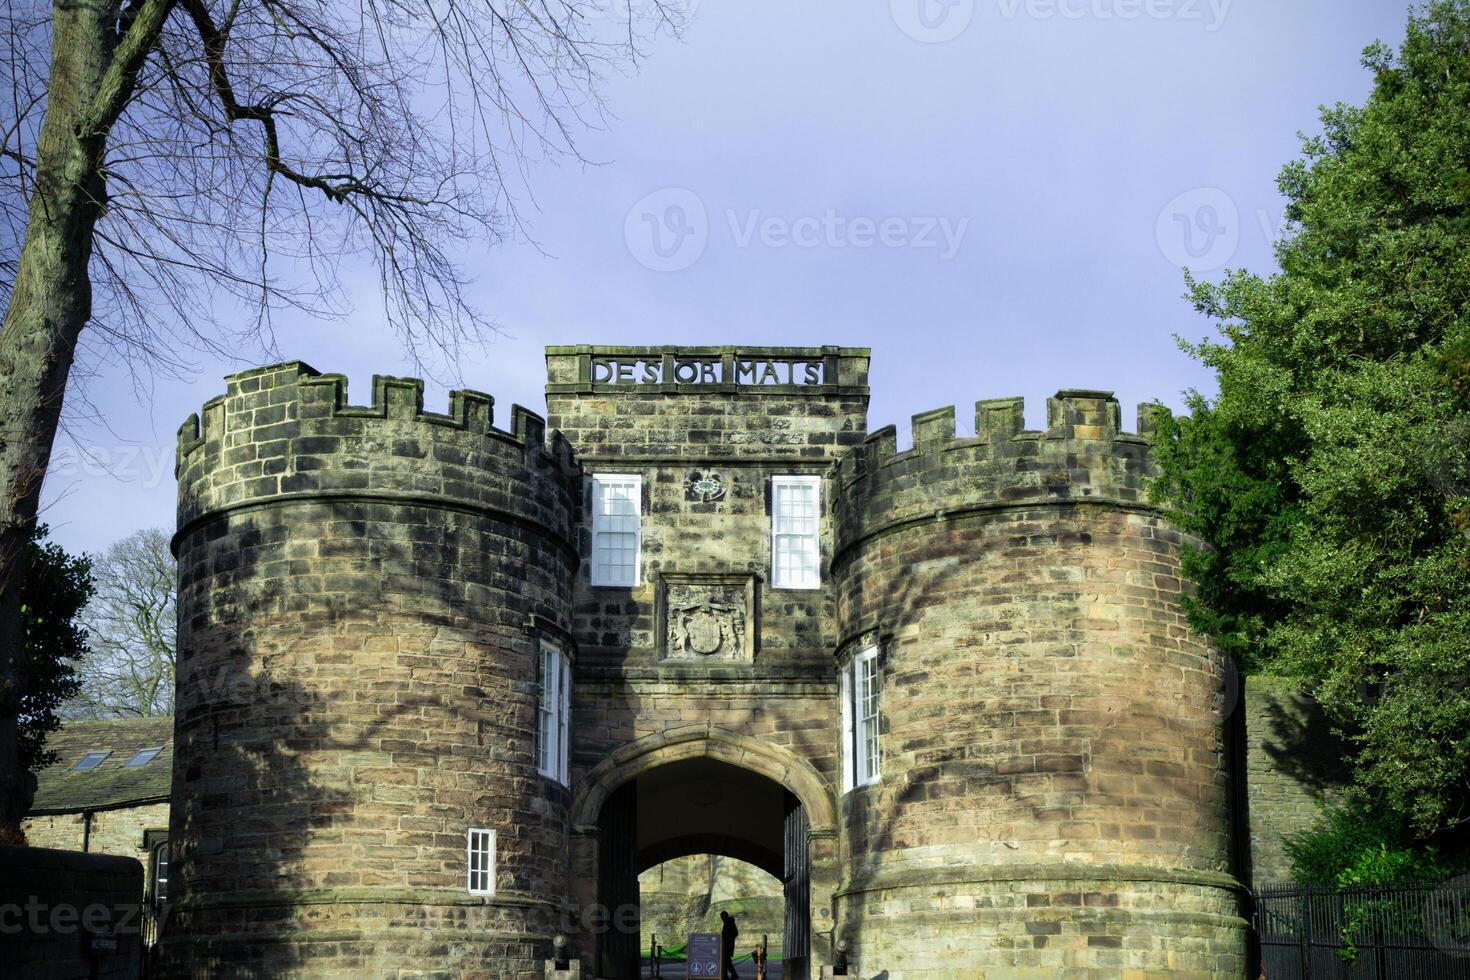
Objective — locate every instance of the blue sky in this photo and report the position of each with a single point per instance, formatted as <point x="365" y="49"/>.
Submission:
<point x="996" y="196"/>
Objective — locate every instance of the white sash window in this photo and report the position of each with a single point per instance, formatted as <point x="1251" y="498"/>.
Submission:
<point x="796" y="553"/>
<point x="554" y="711"/>
<point x="480" y="859"/>
<point x="617" y="533"/>
<point x="860" y="692"/>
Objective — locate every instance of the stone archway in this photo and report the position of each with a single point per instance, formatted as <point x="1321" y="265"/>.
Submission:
<point x="705" y="742"/>
<point x="606" y="804"/>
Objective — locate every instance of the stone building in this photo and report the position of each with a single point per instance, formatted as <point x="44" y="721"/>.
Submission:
<point x="108" y="793"/>
<point x="447" y="689"/>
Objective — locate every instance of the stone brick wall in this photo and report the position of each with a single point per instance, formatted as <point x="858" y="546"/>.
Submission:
<point x="117" y="831"/>
<point x="783" y="692"/>
<point x="360" y="595"/>
<point x="1294" y="764"/>
<point x="668" y="433"/>
<point x="1054" y="791"/>
<point x="51" y="904"/>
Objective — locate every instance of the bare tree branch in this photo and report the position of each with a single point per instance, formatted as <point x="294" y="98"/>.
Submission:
<point x="131" y="630"/>
<point x="175" y="175"/>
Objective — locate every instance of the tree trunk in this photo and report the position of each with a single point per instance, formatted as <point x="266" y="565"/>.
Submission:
<point x="50" y="304"/>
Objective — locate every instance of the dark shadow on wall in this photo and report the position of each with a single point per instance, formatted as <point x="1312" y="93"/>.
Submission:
<point x="263" y="800"/>
<point x="1302" y="742"/>
<point x="941" y="581"/>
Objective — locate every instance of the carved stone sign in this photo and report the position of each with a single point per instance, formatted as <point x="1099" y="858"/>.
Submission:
<point x="634" y="370"/>
<point x="707" y="617"/>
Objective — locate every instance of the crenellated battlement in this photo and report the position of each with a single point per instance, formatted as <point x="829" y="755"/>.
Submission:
<point x="319" y="395"/>
<point x="290" y="430"/>
<point x="1083" y="454"/>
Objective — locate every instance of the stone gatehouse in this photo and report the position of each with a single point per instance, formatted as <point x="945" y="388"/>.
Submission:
<point x="446" y="689"/>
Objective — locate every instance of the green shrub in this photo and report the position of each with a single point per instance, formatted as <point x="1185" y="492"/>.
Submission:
<point x="1355" y="843"/>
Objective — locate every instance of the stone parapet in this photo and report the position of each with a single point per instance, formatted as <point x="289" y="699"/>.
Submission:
<point x="286" y="432"/>
<point x="1082" y="456"/>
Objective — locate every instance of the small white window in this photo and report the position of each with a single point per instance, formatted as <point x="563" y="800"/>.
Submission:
<point x="617" y="534"/>
<point x="90" y="761"/>
<point x="554" y="712"/>
<point x="480" y="856"/>
<point x="860" y="689"/>
<point x="796" y="554"/>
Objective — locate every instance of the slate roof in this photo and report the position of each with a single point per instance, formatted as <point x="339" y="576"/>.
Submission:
<point x="109" y="786"/>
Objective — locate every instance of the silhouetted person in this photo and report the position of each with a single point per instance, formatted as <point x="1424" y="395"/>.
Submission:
<point x="727" y="947"/>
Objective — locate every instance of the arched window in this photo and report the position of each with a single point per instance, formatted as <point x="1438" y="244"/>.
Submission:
<point x="158" y="874"/>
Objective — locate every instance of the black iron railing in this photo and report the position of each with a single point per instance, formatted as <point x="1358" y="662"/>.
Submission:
<point x="1381" y="932"/>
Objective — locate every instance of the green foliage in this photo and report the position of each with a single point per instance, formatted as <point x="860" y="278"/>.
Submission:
<point x="1357" y="845"/>
<point x="1330" y="477"/>
<point x="1354" y="844"/>
<point x="57" y="586"/>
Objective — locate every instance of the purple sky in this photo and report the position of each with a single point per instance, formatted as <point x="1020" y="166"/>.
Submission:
<point x="994" y="195"/>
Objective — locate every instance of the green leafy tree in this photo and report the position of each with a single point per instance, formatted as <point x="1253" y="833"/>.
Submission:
<point x="56" y="588"/>
<point x="1331" y="474"/>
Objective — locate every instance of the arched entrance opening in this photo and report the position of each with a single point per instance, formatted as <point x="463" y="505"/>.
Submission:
<point x="687" y="894"/>
<point x="701" y="792"/>
<point x="695" y="807"/>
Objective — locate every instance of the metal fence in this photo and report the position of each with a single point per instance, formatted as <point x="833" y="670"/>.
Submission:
<point x="1383" y="932"/>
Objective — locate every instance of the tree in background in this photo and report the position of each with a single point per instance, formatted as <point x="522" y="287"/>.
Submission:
<point x="1331" y="475"/>
<point x="129" y="672"/>
<point x="161" y="158"/>
<point x="56" y="588"/>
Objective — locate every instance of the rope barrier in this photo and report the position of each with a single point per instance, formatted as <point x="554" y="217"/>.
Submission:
<point x="677" y="954"/>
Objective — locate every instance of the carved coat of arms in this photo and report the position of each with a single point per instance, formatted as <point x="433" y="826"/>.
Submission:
<point x="704" y="624"/>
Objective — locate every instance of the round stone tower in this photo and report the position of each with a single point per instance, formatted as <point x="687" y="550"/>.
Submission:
<point x="363" y="592"/>
<point x="1054" y="790"/>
